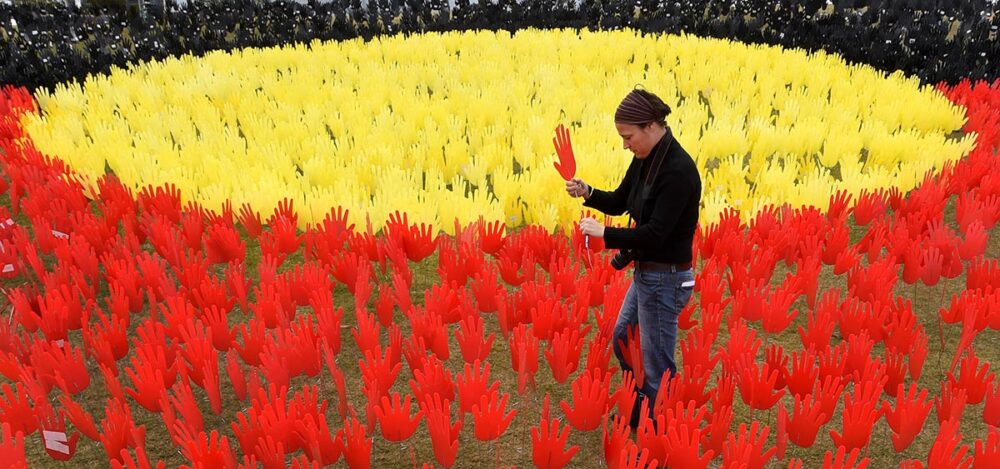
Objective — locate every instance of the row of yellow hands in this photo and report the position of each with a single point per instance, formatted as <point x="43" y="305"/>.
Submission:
<point x="458" y="125"/>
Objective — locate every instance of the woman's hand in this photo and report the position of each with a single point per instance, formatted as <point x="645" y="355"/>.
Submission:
<point x="577" y="188"/>
<point x="589" y="226"/>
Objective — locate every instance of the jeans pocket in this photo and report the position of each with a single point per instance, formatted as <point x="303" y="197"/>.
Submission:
<point x="685" y="289"/>
<point x="648" y="278"/>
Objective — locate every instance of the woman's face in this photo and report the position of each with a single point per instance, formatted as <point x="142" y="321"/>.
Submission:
<point x="639" y="139"/>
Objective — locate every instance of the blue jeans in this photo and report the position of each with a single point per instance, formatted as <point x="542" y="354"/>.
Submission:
<point x="654" y="301"/>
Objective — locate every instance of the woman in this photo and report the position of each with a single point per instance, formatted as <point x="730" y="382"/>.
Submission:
<point x="661" y="191"/>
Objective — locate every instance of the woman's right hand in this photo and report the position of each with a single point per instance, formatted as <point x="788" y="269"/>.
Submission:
<point x="577" y="188"/>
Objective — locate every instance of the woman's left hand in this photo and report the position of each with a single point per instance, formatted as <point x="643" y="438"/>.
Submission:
<point x="589" y="226"/>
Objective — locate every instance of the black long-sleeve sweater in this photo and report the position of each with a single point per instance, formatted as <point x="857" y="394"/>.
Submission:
<point x="668" y="216"/>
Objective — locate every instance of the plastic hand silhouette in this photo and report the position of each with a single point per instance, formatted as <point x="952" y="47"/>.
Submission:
<point x="631" y="349"/>
<point x="394" y="418"/>
<point x="53" y="427"/>
<point x="106" y="332"/>
<point x="950" y="404"/>
<point x="432" y="378"/>
<point x="975" y="242"/>
<point x="208" y="450"/>
<point x="524" y="356"/>
<point x="616" y="436"/>
<point x="869" y="205"/>
<point x="357" y="446"/>
<point x="70" y="371"/>
<point x="489" y="418"/>
<point x="250" y="220"/>
<point x="718" y="427"/>
<point x="634" y="458"/>
<point x="747" y="447"/>
<point x="991" y="411"/>
<point x="320" y="443"/>
<point x="80" y="419"/>
<point x="757" y="385"/>
<point x="420" y="242"/>
<point x="118" y="429"/>
<point x="564" y="149"/>
<point x="807" y="416"/>
<point x="948" y="450"/>
<point x="598" y="354"/>
<point x="858" y="422"/>
<point x="987" y="453"/>
<point x="907" y="419"/>
<point x="548" y="442"/>
<point x="491" y="236"/>
<point x="444" y="435"/>
<point x="975" y="380"/>
<point x="932" y="263"/>
<point x="682" y="447"/>
<point x="843" y="459"/>
<point x="563" y="354"/>
<point x="141" y="461"/>
<point x="471" y="340"/>
<point x="150" y="375"/>
<point x="367" y="333"/>
<point x="590" y="398"/>
<point x="473" y="384"/>
<point x="182" y="404"/>
<point x="12" y="448"/>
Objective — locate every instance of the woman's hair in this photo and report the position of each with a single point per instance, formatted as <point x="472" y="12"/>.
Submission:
<point x="661" y="108"/>
<point x="640" y="107"/>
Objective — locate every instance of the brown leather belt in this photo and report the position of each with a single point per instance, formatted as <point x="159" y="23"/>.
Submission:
<point x="662" y="267"/>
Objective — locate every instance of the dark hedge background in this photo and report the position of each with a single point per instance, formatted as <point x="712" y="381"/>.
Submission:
<point x="41" y="45"/>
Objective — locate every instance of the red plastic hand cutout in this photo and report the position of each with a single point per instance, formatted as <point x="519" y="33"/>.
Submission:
<point x="564" y="149"/>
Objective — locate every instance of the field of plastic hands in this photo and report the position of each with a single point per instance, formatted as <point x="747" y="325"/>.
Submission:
<point x="217" y="339"/>
<point x="467" y="143"/>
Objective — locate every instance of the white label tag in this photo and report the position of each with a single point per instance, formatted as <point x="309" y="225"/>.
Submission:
<point x="60" y="342"/>
<point x="688" y="284"/>
<point x="9" y="222"/>
<point x="56" y="441"/>
<point x="60" y="234"/>
<point x="8" y="268"/>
